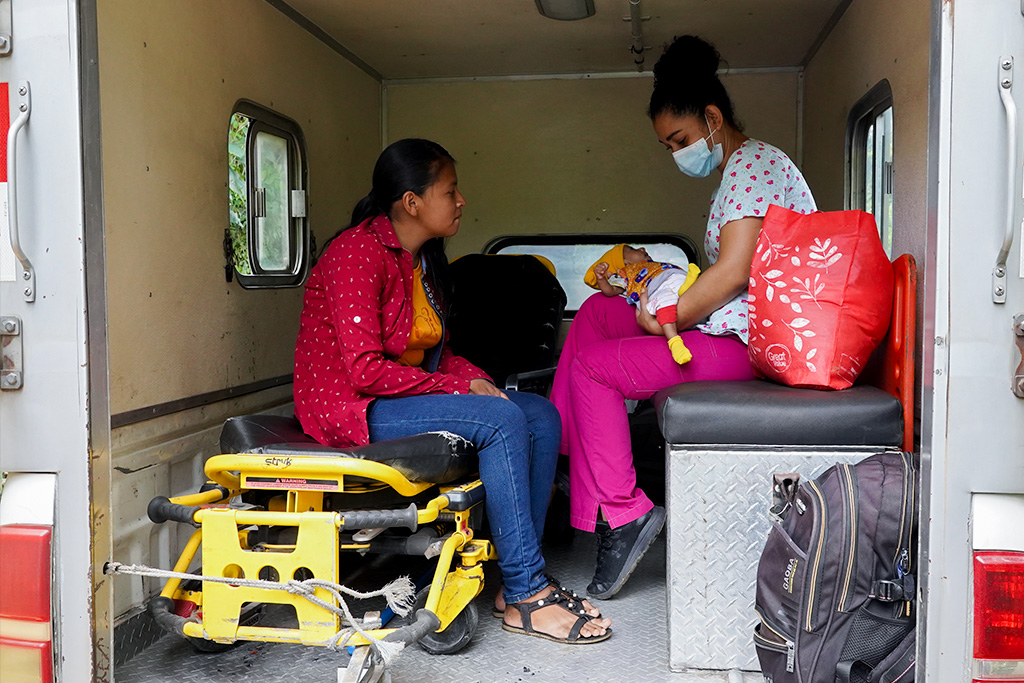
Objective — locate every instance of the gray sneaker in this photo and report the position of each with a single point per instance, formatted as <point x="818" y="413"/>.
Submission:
<point x="619" y="551"/>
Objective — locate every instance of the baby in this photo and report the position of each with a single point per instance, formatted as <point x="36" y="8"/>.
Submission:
<point x="629" y="271"/>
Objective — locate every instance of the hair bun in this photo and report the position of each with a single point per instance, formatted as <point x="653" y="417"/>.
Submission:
<point x="687" y="58"/>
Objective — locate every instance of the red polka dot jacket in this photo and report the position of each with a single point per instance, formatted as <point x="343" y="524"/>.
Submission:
<point x="356" y="320"/>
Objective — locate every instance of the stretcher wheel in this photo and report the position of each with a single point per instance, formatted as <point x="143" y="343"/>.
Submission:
<point x="456" y="636"/>
<point x="250" y="616"/>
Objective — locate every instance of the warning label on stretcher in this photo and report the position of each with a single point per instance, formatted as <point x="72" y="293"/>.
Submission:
<point x="300" y="483"/>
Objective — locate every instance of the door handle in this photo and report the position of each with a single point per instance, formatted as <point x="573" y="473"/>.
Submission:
<point x="1005" y="94"/>
<point x="24" y="111"/>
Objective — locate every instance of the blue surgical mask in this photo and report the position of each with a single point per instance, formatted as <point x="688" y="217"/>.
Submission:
<point x="696" y="160"/>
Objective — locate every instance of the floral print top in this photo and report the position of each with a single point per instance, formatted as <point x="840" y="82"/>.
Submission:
<point x="756" y="175"/>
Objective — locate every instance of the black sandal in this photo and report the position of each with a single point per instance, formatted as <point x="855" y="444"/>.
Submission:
<point x="574" y="637"/>
<point x="569" y="594"/>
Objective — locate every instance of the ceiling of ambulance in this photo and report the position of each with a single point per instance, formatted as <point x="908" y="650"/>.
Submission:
<point x="457" y="38"/>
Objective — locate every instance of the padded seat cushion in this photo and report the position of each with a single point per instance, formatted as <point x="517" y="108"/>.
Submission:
<point x="435" y="458"/>
<point x="761" y="412"/>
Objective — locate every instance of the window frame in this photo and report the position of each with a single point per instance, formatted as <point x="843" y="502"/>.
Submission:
<point x="300" y="242"/>
<point x="683" y="242"/>
<point x="860" y="122"/>
<point x="611" y="239"/>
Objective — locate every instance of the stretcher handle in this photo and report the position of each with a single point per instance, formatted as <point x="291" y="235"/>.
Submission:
<point x="381" y="519"/>
<point x="161" y="510"/>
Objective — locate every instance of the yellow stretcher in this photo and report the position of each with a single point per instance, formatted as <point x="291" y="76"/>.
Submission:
<point x="303" y="513"/>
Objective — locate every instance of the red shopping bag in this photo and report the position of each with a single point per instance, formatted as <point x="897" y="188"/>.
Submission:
<point x="821" y="292"/>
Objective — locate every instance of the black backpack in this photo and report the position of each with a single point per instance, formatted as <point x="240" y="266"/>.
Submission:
<point x="835" y="585"/>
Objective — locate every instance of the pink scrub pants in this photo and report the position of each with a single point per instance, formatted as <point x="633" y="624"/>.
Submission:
<point x="608" y="358"/>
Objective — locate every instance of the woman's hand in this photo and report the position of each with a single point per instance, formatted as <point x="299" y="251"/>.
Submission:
<point x="483" y="387"/>
<point x="645" y="319"/>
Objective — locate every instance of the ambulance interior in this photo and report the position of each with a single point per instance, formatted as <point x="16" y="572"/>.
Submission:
<point x="547" y="122"/>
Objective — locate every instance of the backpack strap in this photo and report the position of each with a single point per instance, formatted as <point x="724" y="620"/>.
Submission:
<point x="852" y="672"/>
<point x="894" y="590"/>
<point x="900" y="665"/>
<point x="897" y="667"/>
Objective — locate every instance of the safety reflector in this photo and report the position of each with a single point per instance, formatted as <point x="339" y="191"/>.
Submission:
<point x="999" y="616"/>
<point x="25" y="572"/>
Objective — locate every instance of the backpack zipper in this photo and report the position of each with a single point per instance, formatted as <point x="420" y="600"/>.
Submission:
<point x="788" y="646"/>
<point x="820" y="521"/>
<point x="847" y="479"/>
<point x="902" y="560"/>
<point x="908" y="503"/>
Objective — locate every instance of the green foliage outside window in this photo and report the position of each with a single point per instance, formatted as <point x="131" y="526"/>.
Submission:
<point x="238" y="207"/>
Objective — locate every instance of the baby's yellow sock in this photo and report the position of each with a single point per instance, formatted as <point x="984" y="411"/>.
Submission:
<point x="680" y="353"/>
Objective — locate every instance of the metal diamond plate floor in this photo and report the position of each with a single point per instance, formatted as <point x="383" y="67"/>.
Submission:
<point x="637" y="652"/>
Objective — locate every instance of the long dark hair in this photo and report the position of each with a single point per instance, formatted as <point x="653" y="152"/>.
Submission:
<point x="409" y="165"/>
<point x="686" y="81"/>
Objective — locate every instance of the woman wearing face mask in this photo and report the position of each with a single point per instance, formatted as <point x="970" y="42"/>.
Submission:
<point x="610" y="355"/>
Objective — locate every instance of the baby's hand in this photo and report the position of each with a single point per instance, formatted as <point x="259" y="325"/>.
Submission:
<point x="601" y="270"/>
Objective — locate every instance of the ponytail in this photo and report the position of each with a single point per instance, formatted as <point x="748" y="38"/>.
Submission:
<point x="367" y="207"/>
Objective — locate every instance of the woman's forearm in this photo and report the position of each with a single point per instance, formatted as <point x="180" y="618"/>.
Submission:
<point x="715" y="287"/>
<point x="728" y="277"/>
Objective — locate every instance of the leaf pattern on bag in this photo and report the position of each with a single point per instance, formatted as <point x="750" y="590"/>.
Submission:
<point x="809" y="291"/>
<point x="824" y="254"/>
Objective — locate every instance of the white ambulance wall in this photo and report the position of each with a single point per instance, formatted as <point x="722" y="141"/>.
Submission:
<point x="564" y="156"/>
<point x="875" y="40"/>
<point x="170" y="72"/>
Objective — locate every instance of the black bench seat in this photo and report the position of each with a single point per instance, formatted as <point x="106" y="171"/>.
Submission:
<point x="761" y="412"/>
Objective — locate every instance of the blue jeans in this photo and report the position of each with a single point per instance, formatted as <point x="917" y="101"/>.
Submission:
<point x="517" y="442"/>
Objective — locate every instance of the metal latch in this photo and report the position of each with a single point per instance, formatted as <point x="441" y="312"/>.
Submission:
<point x="1018" y="336"/>
<point x="298" y="203"/>
<point x="10" y="353"/>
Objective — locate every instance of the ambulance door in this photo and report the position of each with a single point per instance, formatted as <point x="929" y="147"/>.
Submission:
<point x="45" y="401"/>
<point x="973" y="440"/>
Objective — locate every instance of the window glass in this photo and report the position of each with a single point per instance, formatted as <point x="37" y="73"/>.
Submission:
<point x="870" y="158"/>
<point x="869" y="169"/>
<point x="272" y="228"/>
<point x="571" y="260"/>
<point x="267" y="242"/>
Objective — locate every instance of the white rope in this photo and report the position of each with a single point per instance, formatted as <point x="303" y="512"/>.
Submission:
<point x="400" y="595"/>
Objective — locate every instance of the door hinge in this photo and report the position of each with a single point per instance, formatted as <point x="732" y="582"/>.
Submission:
<point x="6" y="29"/>
<point x="10" y="353"/>
<point x="1018" y="336"/>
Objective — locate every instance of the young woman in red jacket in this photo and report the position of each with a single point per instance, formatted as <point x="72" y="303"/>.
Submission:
<point x="371" y="364"/>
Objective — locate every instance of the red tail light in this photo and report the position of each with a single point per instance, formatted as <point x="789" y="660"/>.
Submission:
<point x="999" y="616"/>
<point x="26" y="638"/>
